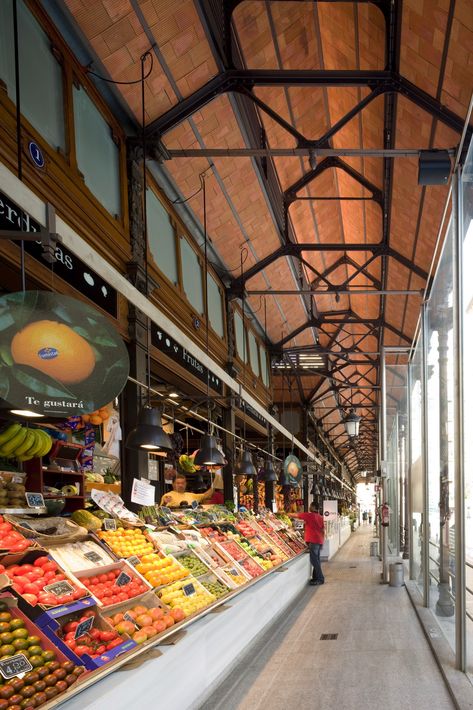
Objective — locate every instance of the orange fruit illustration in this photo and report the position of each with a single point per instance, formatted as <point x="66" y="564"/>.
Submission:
<point x="54" y="349"/>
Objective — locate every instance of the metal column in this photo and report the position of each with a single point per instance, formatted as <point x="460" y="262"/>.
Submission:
<point x="458" y="452"/>
<point x="425" y="459"/>
<point x="383" y="436"/>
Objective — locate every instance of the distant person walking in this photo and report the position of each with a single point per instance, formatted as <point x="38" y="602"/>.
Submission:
<point x="370" y="518"/>
<point x="365" y="517"/>
<point x="314" y="535"/>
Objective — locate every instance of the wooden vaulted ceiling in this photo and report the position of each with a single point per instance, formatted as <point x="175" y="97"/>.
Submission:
<point x="232" y="74"/>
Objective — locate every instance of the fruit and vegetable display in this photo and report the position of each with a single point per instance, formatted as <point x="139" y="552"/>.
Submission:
<point x="114" y="586"/>
<point x="143" y="623"/>
<point x="33" y="581"/>
<point x="188" y="595"/>
<point x="192" y="563"/>
<point x="214" y="534"/>
<point x="125" y="543"/>
<point x="235" y="576"/>
<point x="94" y="642"/>
<point x="218" y="589"/>
<point x="234" y="550"/>
<point x="159" y="571"/>
<point x="50" y="674"/>
<point x="11" y="539"/>
<point x="80" y="555"/>
<point x="86" y="520"/>
<point x="23" y="443"/>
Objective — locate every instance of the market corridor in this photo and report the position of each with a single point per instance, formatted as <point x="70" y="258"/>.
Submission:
<point x="380" y="658"/>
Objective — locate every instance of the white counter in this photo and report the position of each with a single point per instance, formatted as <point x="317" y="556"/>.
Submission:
<point x="187" y="673"/>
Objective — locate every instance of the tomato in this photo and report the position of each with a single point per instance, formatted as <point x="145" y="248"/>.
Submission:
<point x="49" y="566"/>
<point x="113" y="600"/>
<point x="93" y="580"/>
<point x="111" y="576"/>
<point x="114" y="644"/>
<point x="31" y="599"/>
<point x="107" y="636"/>
<point x="37" y="572"/>
<point x="21" y="581"/>
<point x="26" y="568"/>
<point x="95" y="634"/>
<point x="59" y="577"/>
<point x="81" y="650"/>
<point x="41" y="561"/>
<point x="31" y="589"/>
<point x="100" y="649"/>
<point x="71" y="626"/>
<point x="20" y="546"/>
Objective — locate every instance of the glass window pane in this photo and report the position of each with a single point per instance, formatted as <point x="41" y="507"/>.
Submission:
<point x="417" y="491"/>
<point x="441" y="489"/>
<point x="192" y="276"/>
<point x="239" y="336"/>
<point x="264" y="365"/>
<point x="254" y="361"/>
<point x="467" y="189"/>
<point x="98" y="158"/>
<point x="7" y="57"/>
<point x="42" y="102"/>
<point x="215" y="305"/>
<point x="161" y="237"/>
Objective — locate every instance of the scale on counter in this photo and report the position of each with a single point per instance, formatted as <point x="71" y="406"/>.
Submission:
<point x="64" y="457"/>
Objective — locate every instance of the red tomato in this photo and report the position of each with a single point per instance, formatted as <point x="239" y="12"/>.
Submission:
<point x="114" y="644"/>
<point x="49" y="566"/>
<point x="41" y="561"/>
<point x="13" y="570"/>
<point x="20" y="546"/>
<point x="93" y="580"/>
<point x="31" y="589"/>
<point x="26" y="568"/>
<point x="37" y="572"/>
<point x="111" y="576"/>
<point x="22" y="581"/>
<point x="59" y="577"/>
<point x="113" y="600"/>
<point x="81" y="650"/>
<point x="31" y="599"/>
<point x="48" y="576"/>
<point x="100" y="649"/>
<point x="70" y="626"/>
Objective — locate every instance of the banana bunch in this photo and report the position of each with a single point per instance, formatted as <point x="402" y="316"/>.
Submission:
<point x="21" y="443"/>
<point x="187" y="463"/>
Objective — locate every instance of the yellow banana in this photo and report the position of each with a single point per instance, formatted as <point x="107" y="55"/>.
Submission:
<point x="47" y="443"/>
<point x="34" y="448"/>
<point x="12" y="444"/>
<point x="9" y="432"/>
<point x="30" y="439"/>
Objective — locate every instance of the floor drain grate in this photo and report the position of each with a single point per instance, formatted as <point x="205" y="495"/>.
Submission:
<point x="329" y="637"/>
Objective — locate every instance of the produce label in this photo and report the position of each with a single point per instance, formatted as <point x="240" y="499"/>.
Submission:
<point x="188" y="590"/>
<point x="66" y="357"/>
<point x="92" y="556"/>
<point x="34" y="500"/>
<point x="109" y="524"/>
<point x="142" y="492"/>
<point x="59" y="589"/>
<point x="127" y="617"/>
<point x="13" y="666"/>
<point x="194" y="504"/>
<point x="133" y="560"/>
<point x="84" y="627"/>
<point x="123" y="579"/>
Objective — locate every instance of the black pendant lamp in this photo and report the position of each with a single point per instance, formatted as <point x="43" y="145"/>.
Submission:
<point x="270" y="475"/>
<point x="208" y="454"/>
<point x="245" y="466"/>
<point x="148" y="433"/>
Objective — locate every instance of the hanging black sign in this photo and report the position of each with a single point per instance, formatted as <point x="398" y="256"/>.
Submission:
<point x="251" y="412"/>
<point x="67" y="266"/>
<point x="170" y="347"/>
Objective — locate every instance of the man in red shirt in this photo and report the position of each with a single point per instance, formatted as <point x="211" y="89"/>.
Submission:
<point x="314" y="537"/>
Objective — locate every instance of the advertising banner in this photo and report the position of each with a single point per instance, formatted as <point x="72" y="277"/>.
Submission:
<point x="58" y="356"/>
<point x="330" y="509"/>
<point x="292" y="471"/>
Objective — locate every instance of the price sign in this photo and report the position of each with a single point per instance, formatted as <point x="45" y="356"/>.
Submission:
<point x="188" y="589"/>
<point x="165" y="510"/>
<point x="34" y="500"/>
<point x="109" y="524"/>
<point x="13" y="666"/>
<point x="133" y="560"/>
<point x="59" y="589"/>
<point x="194" y="504"/>
<point x="84" y="627"/>
<point x="123" y="579"/>
<point x="127" y="617"/>
<point x="92" y="556"/>
<point x="233" y="572"/>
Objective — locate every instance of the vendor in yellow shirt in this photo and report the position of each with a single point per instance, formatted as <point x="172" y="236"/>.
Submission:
<point x="178" y="495"/>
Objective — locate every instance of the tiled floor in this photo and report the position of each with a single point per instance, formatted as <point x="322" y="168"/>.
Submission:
<point x="380" y="659"/>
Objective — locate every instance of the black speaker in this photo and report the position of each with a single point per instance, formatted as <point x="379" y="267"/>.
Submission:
<point x="434" y="167"/>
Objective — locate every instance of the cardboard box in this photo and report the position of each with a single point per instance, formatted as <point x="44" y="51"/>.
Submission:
<point x="55" y="624"/>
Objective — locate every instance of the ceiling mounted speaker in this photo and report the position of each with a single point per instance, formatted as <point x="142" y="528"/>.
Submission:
<point x="434" y="167"/>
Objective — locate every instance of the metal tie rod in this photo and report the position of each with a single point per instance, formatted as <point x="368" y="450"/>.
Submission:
<point x="341" y="292"/>
<point x="295" y="152"/>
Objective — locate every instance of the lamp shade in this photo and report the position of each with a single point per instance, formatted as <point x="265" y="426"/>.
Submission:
<point x="148" y="433"/>
<point x="352" y="423"/>
<point x="270" y="474"/>
<point x="245" y="466"/>
<point x="209" y="454"/>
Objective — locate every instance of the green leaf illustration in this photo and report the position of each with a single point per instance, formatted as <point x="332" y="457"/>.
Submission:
<point x="4" y="385"/>
<point x="42" y="384"/>
<point x="6" y="320"/>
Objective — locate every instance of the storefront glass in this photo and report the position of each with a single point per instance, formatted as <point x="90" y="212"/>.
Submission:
<point x="192" y="276"/>
<point x="440" y="427"/>
<point x="215" y="306"/>
<point x="416" y="468"/>
<point x="467" y="220"/>
<point x="161" y="237"/>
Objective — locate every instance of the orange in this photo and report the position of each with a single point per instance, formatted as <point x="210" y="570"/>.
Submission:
<point x="54" y="349"/>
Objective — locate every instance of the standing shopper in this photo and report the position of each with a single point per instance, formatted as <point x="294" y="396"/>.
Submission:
<point x="314" y="537"/>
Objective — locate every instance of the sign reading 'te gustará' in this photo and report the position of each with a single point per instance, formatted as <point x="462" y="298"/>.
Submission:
<point x="58" y="356"/>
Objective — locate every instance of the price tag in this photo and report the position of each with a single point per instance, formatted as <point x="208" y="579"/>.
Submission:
<point x="92" y="556"/>
<point x="84" y="627"/>
<point x="233" y="572"/>
<point x="34" y="500"/>
<point x="194" y="504"/>
<point x="166" y="511"/>
<point x="109" y="524"/>
<point x="123" y="579"/>
<point x="127" y="617"/>
<point x="59" y="589"/>
<point x="188" y="589"/>
<point x="13" y="666"/>
<point x="17" y="479"/>
<point x="133" y="560"/>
